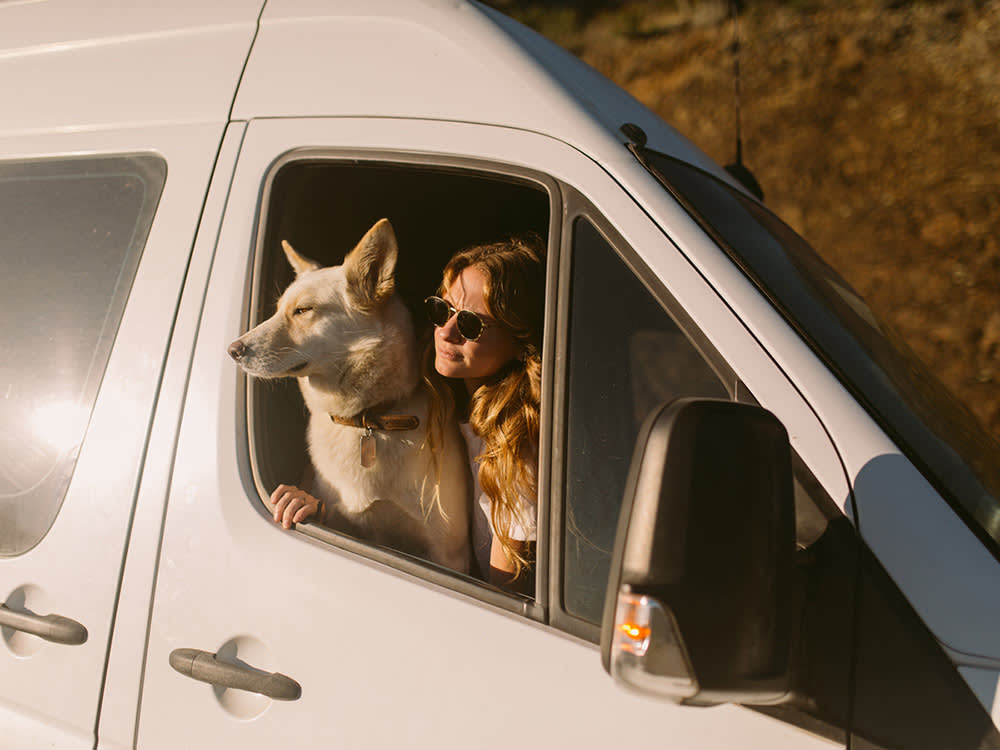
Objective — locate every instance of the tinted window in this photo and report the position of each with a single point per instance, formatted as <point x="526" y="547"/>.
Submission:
<point x="73" y="231"/>
<point x="627" y="355"/>
<point x="939" y="435"/>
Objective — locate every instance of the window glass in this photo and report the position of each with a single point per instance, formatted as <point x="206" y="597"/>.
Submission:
<point x="938" y="434"/>
<point x="73" y="231"/>
<point x="626" y="356"/>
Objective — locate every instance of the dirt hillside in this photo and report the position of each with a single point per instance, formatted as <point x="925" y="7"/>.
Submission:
<point x="871" y="126"/>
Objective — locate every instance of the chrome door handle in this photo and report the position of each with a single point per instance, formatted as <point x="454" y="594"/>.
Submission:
<point x="54" y="628"/>
<point x="203" y="666"/>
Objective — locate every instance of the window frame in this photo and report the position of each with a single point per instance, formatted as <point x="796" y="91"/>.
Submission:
<point x="397" y="562"/>
<point x="578" y="206"/>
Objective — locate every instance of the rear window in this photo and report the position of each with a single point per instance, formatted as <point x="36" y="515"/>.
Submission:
<point x="73" y="232"/>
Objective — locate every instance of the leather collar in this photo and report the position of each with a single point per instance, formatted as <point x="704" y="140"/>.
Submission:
<point x="370" y="419"/>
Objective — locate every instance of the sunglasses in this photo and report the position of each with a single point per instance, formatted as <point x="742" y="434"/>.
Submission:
<point x="469" y="324"/>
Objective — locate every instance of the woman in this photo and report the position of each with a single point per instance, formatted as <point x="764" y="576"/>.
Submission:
<point x="487" y="347"/>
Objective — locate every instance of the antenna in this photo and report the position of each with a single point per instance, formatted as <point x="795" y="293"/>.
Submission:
<point x="738" y="170"/>
<point x="735" y="10"/>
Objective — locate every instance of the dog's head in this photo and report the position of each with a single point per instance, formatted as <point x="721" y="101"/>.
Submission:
<point x="328" y="317"/>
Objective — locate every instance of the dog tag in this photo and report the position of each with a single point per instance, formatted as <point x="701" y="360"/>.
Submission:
<point x="368" y="449"/>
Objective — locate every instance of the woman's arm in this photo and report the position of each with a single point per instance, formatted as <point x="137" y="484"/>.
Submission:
<point x="502" y="569"/>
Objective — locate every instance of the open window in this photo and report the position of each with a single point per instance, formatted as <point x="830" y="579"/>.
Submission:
<point x="322" y="204"/>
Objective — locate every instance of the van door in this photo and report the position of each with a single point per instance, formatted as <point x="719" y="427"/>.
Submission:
<point x="263" y="637"/>
<point x="95" y="245"/>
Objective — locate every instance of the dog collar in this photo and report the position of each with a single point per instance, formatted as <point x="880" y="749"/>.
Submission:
<point x="387" y="422"/>
<point x="370" y="422"/>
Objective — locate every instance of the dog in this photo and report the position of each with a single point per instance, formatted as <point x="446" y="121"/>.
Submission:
<point x="344" y="332"/>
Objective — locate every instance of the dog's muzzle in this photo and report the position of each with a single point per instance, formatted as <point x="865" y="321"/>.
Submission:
<point x="243" y="356"/>
<point x="237" y="350"/>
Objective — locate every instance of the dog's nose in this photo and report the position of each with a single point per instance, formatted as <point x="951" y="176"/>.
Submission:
<point x="237" y="349"/>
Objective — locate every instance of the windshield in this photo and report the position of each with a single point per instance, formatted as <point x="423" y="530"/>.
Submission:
<point x="928" y="424"/>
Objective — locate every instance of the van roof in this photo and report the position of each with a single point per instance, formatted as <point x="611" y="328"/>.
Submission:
<point x="78" y="64"/>
<point x="96" y="64"/>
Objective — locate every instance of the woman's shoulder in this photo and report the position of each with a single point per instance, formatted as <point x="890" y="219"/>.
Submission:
<point x="472" y="441"/>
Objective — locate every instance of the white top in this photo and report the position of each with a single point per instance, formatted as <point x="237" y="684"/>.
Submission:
<point x="524" y="524"/>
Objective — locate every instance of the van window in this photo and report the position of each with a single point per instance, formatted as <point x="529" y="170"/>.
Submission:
<point x="322" y="205"/>
<point x="626" y="356"/>
<point x="73" y="232"/>
<point x="936" y="432"/>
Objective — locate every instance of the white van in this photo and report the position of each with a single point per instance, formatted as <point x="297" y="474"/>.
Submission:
<point x="809" y="544"/>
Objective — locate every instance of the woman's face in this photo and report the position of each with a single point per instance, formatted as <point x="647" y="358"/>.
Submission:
<point x="473" y="361"/>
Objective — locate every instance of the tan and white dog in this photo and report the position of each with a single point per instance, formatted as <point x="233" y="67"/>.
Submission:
<point x="348" y="338"/>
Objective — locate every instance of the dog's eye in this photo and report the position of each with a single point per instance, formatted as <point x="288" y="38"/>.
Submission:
<point x="300" y="310"/>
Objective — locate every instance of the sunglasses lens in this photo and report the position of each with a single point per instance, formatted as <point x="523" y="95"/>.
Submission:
<point x="470" y="325"/>
<point x="437" y="310"/>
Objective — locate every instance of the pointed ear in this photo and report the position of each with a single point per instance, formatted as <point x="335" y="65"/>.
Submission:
<point x="370" y="267"/>
<point x="299" y="263"/>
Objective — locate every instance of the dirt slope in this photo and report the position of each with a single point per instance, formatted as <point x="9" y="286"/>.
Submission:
<point x="872" y="127"/>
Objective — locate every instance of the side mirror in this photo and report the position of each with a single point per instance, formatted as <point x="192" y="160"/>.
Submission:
<point x="700" y="606"/>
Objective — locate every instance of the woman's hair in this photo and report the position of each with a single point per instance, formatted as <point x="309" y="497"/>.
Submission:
<point x="504" y="412"/>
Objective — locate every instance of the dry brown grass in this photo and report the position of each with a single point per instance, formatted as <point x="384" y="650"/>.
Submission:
<point x="872" y="127"/>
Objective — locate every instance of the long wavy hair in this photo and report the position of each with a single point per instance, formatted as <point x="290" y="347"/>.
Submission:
<point x="505" y="411"/>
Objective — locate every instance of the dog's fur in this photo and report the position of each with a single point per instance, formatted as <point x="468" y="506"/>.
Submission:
<point x="348" y="338"/>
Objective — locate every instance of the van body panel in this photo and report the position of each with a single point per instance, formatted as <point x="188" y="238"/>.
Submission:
<point x="64" y="683"/>
<point x="123" y="681"/>
<point x="120" y="63"/>
<point x="458" y="62"/>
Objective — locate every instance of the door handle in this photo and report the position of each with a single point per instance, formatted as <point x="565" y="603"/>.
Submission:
<point x="54" y="628"/>
<point x="203" y="666"/>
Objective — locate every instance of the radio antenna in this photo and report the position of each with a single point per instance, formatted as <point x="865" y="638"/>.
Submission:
<point x="739" y="170"/>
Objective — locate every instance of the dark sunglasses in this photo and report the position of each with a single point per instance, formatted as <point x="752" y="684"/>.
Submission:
<point x="470" y="324"/>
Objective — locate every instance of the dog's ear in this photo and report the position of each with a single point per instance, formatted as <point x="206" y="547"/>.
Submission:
<point x="299" y="263"/>
<point x="370" y="267"/>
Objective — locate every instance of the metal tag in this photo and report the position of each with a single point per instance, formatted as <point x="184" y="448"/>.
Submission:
<point x="368" y="449"/>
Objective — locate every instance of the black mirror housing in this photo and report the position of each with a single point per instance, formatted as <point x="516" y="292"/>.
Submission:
<point x="700" y="601"/>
